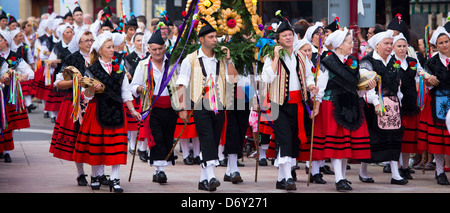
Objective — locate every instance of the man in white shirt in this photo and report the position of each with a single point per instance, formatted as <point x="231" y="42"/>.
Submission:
<point x="198" y="68"/>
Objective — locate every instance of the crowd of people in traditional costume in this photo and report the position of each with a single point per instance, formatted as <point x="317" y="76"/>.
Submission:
<point x="128" y="107"/>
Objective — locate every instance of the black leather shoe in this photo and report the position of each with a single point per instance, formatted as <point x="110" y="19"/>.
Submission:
<point x="326" y="170"/>
<point x="263" y="162"/>
<point x="317" y="178"/>
<point x="95" y="183"/>
<point x="343" y="185"/>
<point x="366" y="180"/>
<point x="103" y="180"/>
<point x="387" y="168"/>
<point x="236" y="178"/>
<point x="290" y="184"/>
<point x="223" y="163"/>
<point x="442" y="179"/>
<point x="213" y="183"/>
<point x="204" y="185"/>
<point x="405" y="173"/>
<point x="403" y="181"/>
<point x="188" y="161"/>
<point x="115" y="185"/>
<point x="239" y="164"/>
<point x="281" y="184"/>
<point x="53" y="120"/>
<point x="46" y="115"/>
<point x="81" y="180"/>
<point x="160" y="177"/>
<point x="142" y="155"/>
<point x="7" y="158"/>
<point x="294" y="175"/>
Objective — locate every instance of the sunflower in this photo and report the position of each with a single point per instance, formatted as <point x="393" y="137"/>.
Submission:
<point x="257" y="25"/>
<point x="208" y="7"/>
<point x="251" y="6"/>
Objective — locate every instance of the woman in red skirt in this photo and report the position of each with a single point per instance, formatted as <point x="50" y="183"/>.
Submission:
<point x="340" y="130"/>
<point x="189" y="135"/>
<point x="433" y="134"/>
<point x="65" y="131"/>
<point x="410" y="111"/>
<point x="16" y="114"/>
<point x="102" y="139"/>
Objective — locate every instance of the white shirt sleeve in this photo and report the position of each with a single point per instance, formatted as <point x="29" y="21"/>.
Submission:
<point x="322" y="82"/>
<point x="24" y="68"/>
<point x="126" y="91"/>
<point x="185" y="73"/>
<point x="137" y="80"/>
<point x="267" y="74"/>
<point x="59" y="77"/>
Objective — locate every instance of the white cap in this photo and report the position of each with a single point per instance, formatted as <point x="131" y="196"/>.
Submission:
<point x="336" y="38"/>
<point x="377" y="38"/>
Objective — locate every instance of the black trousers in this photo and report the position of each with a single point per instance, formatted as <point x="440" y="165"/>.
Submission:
<point x="286" y="131"/>
<point x="209" y="129"/>
<point x="237" y="125"/>
<point x="162" y="123"/>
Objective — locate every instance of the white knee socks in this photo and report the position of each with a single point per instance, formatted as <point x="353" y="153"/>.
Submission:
<point x="439" y="163"/>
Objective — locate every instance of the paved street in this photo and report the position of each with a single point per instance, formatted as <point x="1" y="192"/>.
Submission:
<point x="34" y="170"/>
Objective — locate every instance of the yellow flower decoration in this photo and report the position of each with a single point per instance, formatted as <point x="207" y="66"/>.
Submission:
<point x="256" y="21"/>
<point x="211" y="20"/>
<point x="231" y="22"/>
<point x="208" y="7"/>
<point x="251" y="6"/>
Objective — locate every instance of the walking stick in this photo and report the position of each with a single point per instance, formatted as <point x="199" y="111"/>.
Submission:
<point x="314" y="110"/>
<point x="134" y="153"/>
<point x="257" y="146"/>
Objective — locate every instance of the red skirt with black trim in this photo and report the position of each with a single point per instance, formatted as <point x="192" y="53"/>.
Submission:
<point x="64" y="133"/>
<point x="433" y="137"/>
<point x="97" y="145"/>
<point x="132" y="122"/>
<point x="40" y="90"/>
<point x="27" y="87"/>
<point x="189" y="131"/>
<point x="303" y="152"/>
<point x="17" y="119"/>
<point x="6" y="141"/>
<point x="334" y="141"/>
<point x="411" y="133"/>
<point x="55" y="98"/>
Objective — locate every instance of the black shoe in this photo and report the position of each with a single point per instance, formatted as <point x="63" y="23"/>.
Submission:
<point x="95" y="183"/>
<point x="188" y="161"/>
<point x="236" y="178"/>
<point x="197" y="160"/>
<point x="213" y="184"/>
<point x="263" y="162"/>
<point x="53" y="120"/>
<point x="103" y="180"/>
<point x="343" y="185"/>
<point x="81" y="180"/>
<point x="387" y="168"/>
<point x="442" y="179"/>
<point x="281" y="184"/>
<point x="204" y="185"/>
<point x="223" y="163"/>
<point x="317" y="178"/>
<point x="142" y="155"/>
<point x="294" y="174"/>
<point x="131" y="151"/>
<point x="29" y="109"/>
<point x="115" y="184"/>
<point x="404" y="173"/>
<point x="403" y="181"/>
<point x="7" y="158"/>
<point x="46" y="115"/>
<point x="290" y="184"/>
<point x="326" y="170"/>
<point x="32" y="106"/>
<point x="366" y="180"/>
<point x="160" y="177"/>
<point x="239" y="164"/>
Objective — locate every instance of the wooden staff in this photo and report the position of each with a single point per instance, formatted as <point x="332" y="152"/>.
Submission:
<point x="257" y="145"/>
<point x="314" y="112"/>
<point x="135" y="147"/>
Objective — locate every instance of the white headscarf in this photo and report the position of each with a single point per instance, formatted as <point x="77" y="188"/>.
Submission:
<point x="100" y="40"/>
<point x="336" y="38"/>
<point x="377" y="38"/>
<point x="300" y="43"/>
<point x="118" y="38"/>
<point x="399" y="37"/>
<point x="60" y="29"/>
<point x="436" y="33"/>
<point x="310" y="31"/>
<point x="74" y="44"/>
<point x="7" y="36"/>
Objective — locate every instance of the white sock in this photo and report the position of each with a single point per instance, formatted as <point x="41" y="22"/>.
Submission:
<point x="262" y="151"/>
<point x="439" y="163"/>
<point x="80" y="168"/>
<point x="203" y="175"/>
<point x="53" y="114"/>
<point x="405" y="160"/>
<point x="114" y="172"/>
<point x="337" y="167"/>
<point x="184" y="144"/>
<point x="143" y="145"/>
<point x="132" y="138"/>
<point x="96" y="170"/>
<point x="221" y="156"/>
<point x="27" y="99"/>
<point x="394" y="170"/>
<point x="287" y="169"/>
<point x="232" y="164"/>
<point x="315" y="167"/>
<point x="344" y="167"/>
<point x="210" y="172"/>
<point x="196" y="146"/>
<point x="363" y="170"/>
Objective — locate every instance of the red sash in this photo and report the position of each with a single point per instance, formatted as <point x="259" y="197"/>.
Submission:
<point x="295" y="97"/>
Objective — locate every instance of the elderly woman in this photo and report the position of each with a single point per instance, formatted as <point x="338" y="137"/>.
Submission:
<point x="65" y="131"/>
<point x="384" y="123"/>
<point x="102" y="139"/>
<point x="408" y="70"/>
<point x="340" y="130"/>
<point x="433" y="134"/>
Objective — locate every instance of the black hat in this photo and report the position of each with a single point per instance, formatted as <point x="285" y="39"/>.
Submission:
<point x="398" y="24"/>
<point x="166" y="20"/>
<point x="205" y="29"/>
<point x="333" y="26"/>
<point x="68" y="14"/>
<point x="3" y="15"/>
<point x="285" y="25"/>
<point x="156" y="38"/>
<point x="447" y="26"/>
<point x="107" y="10"/>
<point x="12" y="20"/>
<point x="77" y="8"/>
<point x="107" y="23"/>
<point x="133" y="20"/>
